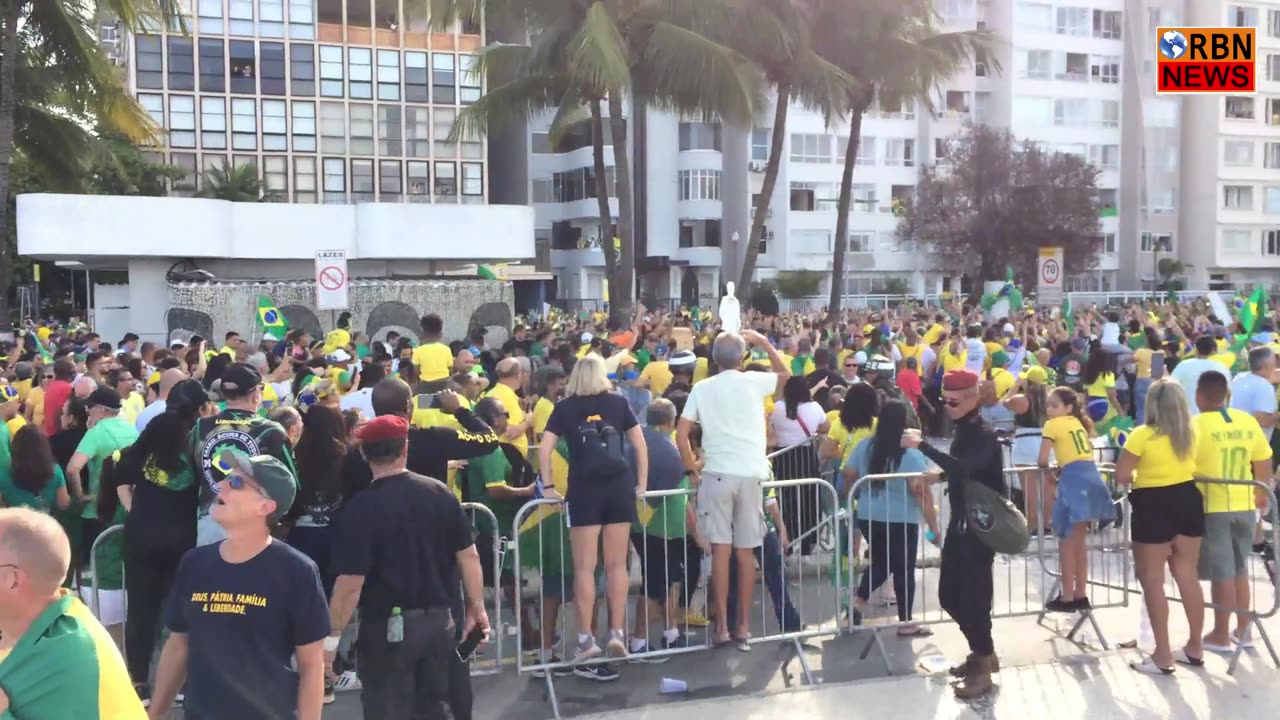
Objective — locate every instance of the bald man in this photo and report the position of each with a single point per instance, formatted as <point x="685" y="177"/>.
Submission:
<point x="168" y="379"/>
<point x="511" y="377"/>
<point x="84" y="386"/>
<point x="56" y="660"/>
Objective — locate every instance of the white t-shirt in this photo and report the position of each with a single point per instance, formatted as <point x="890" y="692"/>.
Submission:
<point x="361" y="400"/>
<point x="150" y="413"/>
<point x="976" y="354"/>
<point x="1253" y="394"/>
<point x="1188" y="373"/>
<point x="730" y="407"/>
<point x="788" y="432"/>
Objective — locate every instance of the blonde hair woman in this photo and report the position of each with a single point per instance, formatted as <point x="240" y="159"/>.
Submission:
<point x="601" y="498"/>
<point x="1159" y="460"/>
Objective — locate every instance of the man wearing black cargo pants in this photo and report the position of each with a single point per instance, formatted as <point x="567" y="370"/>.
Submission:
<point x="402" y="547"/>
<point x="965" y="587"/>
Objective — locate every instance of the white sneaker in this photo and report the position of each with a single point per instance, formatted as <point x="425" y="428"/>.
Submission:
<point x="348" y="682"/>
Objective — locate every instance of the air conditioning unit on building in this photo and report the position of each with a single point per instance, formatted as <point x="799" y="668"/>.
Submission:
<point x="756" y="166"/>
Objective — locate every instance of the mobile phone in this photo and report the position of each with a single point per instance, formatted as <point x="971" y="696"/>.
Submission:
<point x="469" y="643"/>
<point x="429" y="401"/>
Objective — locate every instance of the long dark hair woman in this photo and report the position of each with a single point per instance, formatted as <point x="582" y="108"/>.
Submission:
<point x="158" y="487"/>
<point x="33" y="479"/>
<point x="319" y="457"/>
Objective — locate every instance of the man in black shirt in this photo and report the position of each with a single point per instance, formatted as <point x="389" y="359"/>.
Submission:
<point x="402" y="546"/>
<point x="430" y="449"/>
<point x="822" y="371"/>
<point x="965" y="587"/>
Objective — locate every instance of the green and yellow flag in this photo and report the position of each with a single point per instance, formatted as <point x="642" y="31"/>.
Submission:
<point x="270" y="319"/>
<point x="1248" y="317"/>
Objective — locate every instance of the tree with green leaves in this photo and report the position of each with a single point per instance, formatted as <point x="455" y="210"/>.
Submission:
<point x="994" y="203"/>
<point x="585" y="57"/>
<point x="55" y="84"/>
<point x="236" y="183"/>
<point x="858" y="38"/>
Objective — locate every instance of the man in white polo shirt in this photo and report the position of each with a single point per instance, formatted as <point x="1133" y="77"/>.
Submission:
<point x="730" y="408"/>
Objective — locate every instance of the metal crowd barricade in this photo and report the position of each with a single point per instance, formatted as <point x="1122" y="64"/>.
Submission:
<point x="95" y="596"/>
<point x="484" y="663"/>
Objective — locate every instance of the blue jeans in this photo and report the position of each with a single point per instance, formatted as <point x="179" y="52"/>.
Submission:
<point x="771" y="562"/>
<point x="1140" y="388"/>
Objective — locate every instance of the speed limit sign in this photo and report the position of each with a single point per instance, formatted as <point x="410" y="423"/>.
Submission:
<point x="1049" y="279"/>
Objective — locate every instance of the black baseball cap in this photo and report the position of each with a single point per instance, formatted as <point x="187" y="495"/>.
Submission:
<point x="187" y="395"/>
<point x="240" y="379"/>
<point x="104" y="397"/>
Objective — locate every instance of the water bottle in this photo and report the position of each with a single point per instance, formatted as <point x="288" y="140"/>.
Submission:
<point x="395" y="626"/>
<point x="537" y="486"/>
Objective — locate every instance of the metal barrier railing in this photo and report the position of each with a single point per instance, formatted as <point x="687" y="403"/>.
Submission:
<point x="95" y="592"/>
<point x="486" y="661"/>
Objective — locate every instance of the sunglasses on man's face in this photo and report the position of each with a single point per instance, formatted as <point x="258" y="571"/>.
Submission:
<point x="239" y="482"/>
<point x="851" y="366"/>
<point x="951" y="402"/>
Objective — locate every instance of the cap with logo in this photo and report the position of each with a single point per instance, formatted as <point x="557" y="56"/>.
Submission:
<point x="240" y="379"/>
<point x="275" y="479"/>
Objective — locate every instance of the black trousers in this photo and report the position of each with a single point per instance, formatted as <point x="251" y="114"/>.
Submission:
<point x="801" y="504"/>
<point x="151" y="556"/>
<point x="965" y="588"/>
<point x="893" y="548"/>
<point x="420" y="678"/>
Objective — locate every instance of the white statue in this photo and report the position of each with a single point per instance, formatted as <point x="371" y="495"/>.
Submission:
<point x="730" y="312"/>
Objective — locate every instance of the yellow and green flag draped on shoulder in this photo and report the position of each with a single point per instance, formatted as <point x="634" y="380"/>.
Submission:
<point x="67" y="666"/>
<point x="543" y="537"/>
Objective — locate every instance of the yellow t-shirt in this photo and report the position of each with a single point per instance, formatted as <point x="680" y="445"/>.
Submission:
<point x="701" y="371"/>
<point x="1228" y="442"/>
<point x="933" y="333"/>
<point x="131" y="406"/>
<point x="515" y="414"/>
<point x="24" y="388"/>
<point x="424" y="417"/>
<point x="658" y="373"/>
<point x="912" y="351"/>
<point x="1225" y="359"/>
<point x="1106" y="381"/>
<point x="1158" y="466"/>
<point x="1070" y="440"/>
<point x="1142" y="362"/>
<point x="992" y="348"/>
<point x="1004" y="381"/>
<point x="953" y="361"/>
<point x="35" y="400"/>
<point x="16" y="424"/>
<point x="541" y="413"/>
<point x="433" y="361"/>
<point x="849" y="440"/>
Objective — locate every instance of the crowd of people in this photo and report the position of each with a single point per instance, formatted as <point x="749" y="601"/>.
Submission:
<point x="291" y="506"/>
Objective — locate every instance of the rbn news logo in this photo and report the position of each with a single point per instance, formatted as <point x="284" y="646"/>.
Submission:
<point x="1206" y="60"/>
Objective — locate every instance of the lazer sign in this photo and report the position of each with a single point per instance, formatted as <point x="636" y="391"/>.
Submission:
<point x="1206" y="60"/>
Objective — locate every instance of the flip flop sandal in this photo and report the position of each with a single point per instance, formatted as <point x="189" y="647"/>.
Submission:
<point x="1149" y="667"/>
<point x="1222" y="649"/>
<point x="917" y="631"/>
<point x="1246" y="643"/>
<point x="1182" y="658"/>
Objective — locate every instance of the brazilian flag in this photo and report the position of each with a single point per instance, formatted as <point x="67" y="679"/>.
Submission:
<point x="270" y="319"/>
<point x="66" y="666"/>
<point x="543" y="537"/>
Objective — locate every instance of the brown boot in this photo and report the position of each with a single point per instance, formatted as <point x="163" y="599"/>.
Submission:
<point x="978" y="681"/>
<point x="964" y="668"/>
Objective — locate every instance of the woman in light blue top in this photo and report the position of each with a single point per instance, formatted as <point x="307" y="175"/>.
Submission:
<point x="890" y="512"/>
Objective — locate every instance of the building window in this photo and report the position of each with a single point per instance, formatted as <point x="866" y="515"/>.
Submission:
<point x="803" y="197"/>
<point x="361" y="180"/>
<point x="1034" y="64"/>
<point x="304" y="179"/>
<point x="213" y="123"/>
<point x="1272" y="245"/>
<point x="302" y="69"/>
<point x="182" y="121"/>
<point x="335" y="180"/>
<point x="419" y="181"/>
<point x="1156" y="242"/>
<point x="860" y="242"/>
<point x="1108" y="113"/>
<point x="185" y="185"/>
<point x="446" y="186"/>
<point x="361" y="129"/>
<point x="149" y="58"/>
<point x="1237" y="197"/>
<point x="1034" y="17"/>
<point x="760" y="139"/>
<point x="331" y="71"/>
<point x="389" y="136"/>
<point x="1104" y="69"/>
<point x="809" y="148"/>
<point x="1162" y="201"/>
<point x="182" y="65"/>
<point x="302" y="19"/>
<point x="213" y="66"/>
<point x="442" y="124"/>
<point x="389" y="182"/>
<point x="1238" y="107"/>
<point x="244" y="124"/>
<point x="1273" y="67"/>
<point x="472" y="182"/>
<point x="388" y="75"/>
<point x="241" y="13"/>
<point x="468" y="80"/>
<point x="417" y="132"/>
<point x="862" y="198"/>
<point x="244" y="68"/>
<point x="359" y="76"/>
<point x="415" y="77"/>
<point x="900" y="151"/>
<point x="1271" y="200"/>
<point x="1237" y="153"/>
<point x="443" y="79"/>
<point x="1236" y="242"/>
<point x="1032" y="111"/>
<point x="154" y="105"/>
<point x="1108" y="243"/>
<point x="1071" y="112"/>
<point x="1271" y="156"/>
<point x="273" y="75"/>
<point x="275" y="176"/>
<point x="703" y="136"/>
<point x="275" y="126"/>
<point x="1273" y="23"/>
<point x="210" y="17"/>
<point x="1242" y="17"/>
<point x="271" y="18"/>
<point x="1105" y="156"/>
<point x="304" y="126"/>
<point x="333" y="128"/>
<point x="699" y="184"/>
<point x="1073" y="21"/>
<point x="1106" y="24"/>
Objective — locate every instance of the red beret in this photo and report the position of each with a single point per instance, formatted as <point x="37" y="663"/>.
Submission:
<point x="383" y="427"/>
<point x="960" y="380"/>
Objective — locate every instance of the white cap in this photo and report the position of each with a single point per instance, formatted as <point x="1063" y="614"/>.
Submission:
<point x="269" y="336"/>
<point x="1008" y="329"/>
<point x="860" y="357"/>
<point x="339" y="355"/>
<point x="587" y="337"/>
<point x="684" y="358"/>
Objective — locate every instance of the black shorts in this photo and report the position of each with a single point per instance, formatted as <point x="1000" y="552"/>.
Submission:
<point x="1160" y="513"/>
<point x="608" y="503"/>
<point x="661" y="563"/>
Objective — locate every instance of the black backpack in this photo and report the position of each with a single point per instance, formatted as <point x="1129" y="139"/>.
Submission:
<point x="596" y="449"/>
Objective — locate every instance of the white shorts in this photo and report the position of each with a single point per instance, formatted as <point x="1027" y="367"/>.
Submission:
<point x="731" y="510"/>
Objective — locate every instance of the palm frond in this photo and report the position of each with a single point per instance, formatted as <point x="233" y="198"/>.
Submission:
<point x="686" y="72"/>
<point x="509" y="103"/>
<point x="598" y="56"/>
<point x="570" y="110"/>
<point x="56" y="146"/>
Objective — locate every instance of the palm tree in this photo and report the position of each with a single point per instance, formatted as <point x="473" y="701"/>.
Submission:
<point x="858" y="40"/>
<point x="55" y="81"/>
<point x="237" y="183"/>
<point x="777" y="35"/>
<point x="584" y="57"/>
